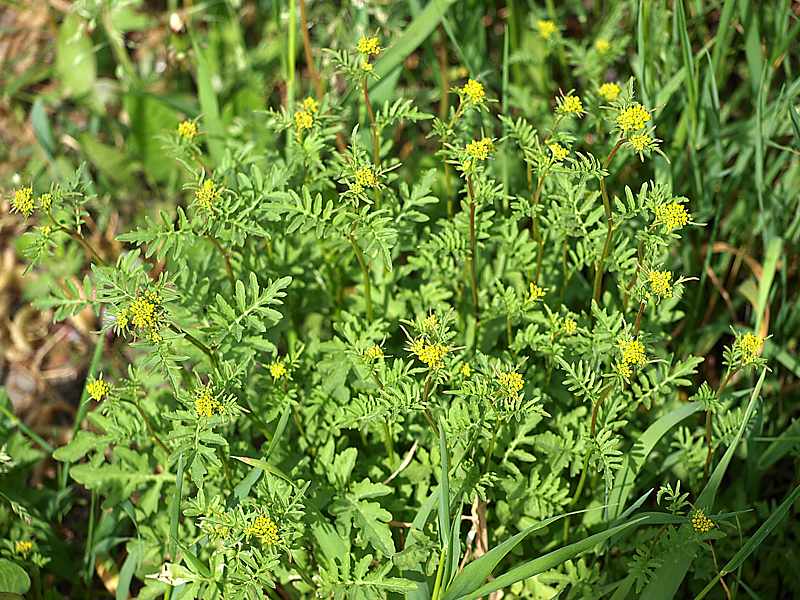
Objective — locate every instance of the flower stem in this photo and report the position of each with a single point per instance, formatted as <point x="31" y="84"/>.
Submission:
<point x="536" y="234"/>
<point x="488" y="460"/>
<point x="473" y="253"/>
<point x="709" y="428"/>
<point x="599" y="269"/>
<point x="596" y="408"/>
<point x="226" y="255"/>
<point x="312" y="68"/>
<point x="365" y="270"/>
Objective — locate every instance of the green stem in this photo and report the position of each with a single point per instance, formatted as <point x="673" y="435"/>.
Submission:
<point x="17" y="422"/>
<point x="196" y="343"/>
<point x="365" y="271"/>
<point x="601" y="262"/>
<point x="473" y="249"/>
<point x="376" y="142"/>
<point x="437" y="586"/>
<point x="226" y="256"/>
<point x="389" y="442"/>
<point x="536" y="234"/>
<point x="709" y="423"/>
<point x="488" y="460"/>
<point x="149" y="425"/>
<point x="596" y="407"/>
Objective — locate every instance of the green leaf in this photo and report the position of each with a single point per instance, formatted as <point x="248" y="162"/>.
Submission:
<point x="93" y="477"/>
<point x="79" y="446"/>
<point x="264" y="466"/>
<point x="41" y="127"/>
<point x="209" y="105"/>
<point x="548" y="561"/>
<point x="76" y="66"/>
<point x="13" y="578"/>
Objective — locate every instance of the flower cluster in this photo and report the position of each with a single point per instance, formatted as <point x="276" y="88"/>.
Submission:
<point x="303" y="120"/>
<point x="609" y="91"/>
<point x="661" y="283"/>
<point x="546" y="28"/>
<point x="672" y="216"/>
<point x="433" y="355"/>
<point x="570" y="105"/>
<point x="207" y="195"/>
<point x="277" y="369"/>
<point x="536" y="292"/>
<point x="187" y="130"/>
<point x="265" y="529"/>
<point x="23" y="201"/>
<point x="602" y="45"/>
<point x="465" y="370"/>
<point x="365" y="177"/>
<point x="642" y="142"/>
<point x="700" y="522"/>
<point x="632" y="355"/>
<point x="144" y="314"/>
<point x="558" y="151"/>
<point x="633" y="118"/>
<point x="373" y="353"/>
<point x="98" y="389"/>
<point x="205" y="404"/>
<point x="510" y="382"/>
<point x="369" y="48"/>
<point x="480" y="149"/>
<point x="749" y="346"/>
<point x="473" y="92"/>
<point x="570" y="326"/>
<point x="23" y="547"/>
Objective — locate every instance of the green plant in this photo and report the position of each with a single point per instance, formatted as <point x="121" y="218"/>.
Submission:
<point x="321" y="338"/>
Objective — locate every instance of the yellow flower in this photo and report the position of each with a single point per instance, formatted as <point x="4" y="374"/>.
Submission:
<point x="98" y="389"/>
<point x="23" y="201"/>
<point x="264" y="529"/>
<point x="511" y="382"/>
<point x="641" y="142"/>
<point x="122" y="320"/>
<point x="416" y="346"/>
<point x="480" y="149"/>
<point x="660" y="283"/>
<point x="187" y="130"/>
<point x="624" y="370"/>
<point x="610" y="91"/>
<point x="23" y="547"/>
<point x="570" y="105"/>
<point x="633" y="118"/>
<point x="374" y="353"/>
<point x="633" y="352"/>
<point x="45" y="201"/>
<point x="366" y="178"/>
<point x="537" y="293"/>
<point x="277" y="370"/>
<point x="204" y="402"/>
<point x="672" y="216"/>
<point x="142" y="313"/>
<point x="570" y="326"/>
<point x="310" y="105"/>
<point x="558" y="151"/>
<point x="433" y="354"/>
<point x="750" y="347"/>
<point x="430" y="323"/>
<point x="207" y="194"/>
<point x="474" y="91"/>
<point x="466" y="370"/>
<point x="303" y="120"/>
<point x="700" y="522"/>
<point x="546" y="28"/>
<point x="367" y="66"/>
<point x="369" y="46"/>
<point x="602" y="45"/>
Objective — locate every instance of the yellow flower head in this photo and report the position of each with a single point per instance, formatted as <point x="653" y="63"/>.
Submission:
<point x="430" y="323"/>
<point x="46" y="201"/>
<point x="369" y="46"/>
<point x="264" y="529"/>
<point x="303" y="120"/>
<point x="610" y="91"/>
<point x="277" y="370"/>
<point x="633" y="118"/>
<point x="465" y="370"/>
<point x="473" y="91"/>
<point x="558" y="151"/>
<point x="432" y="355"/>
<point x="204" y="402"/>
<point x="23" y="547"/>
<point x="633" y="352"/>
<point x="366" y="178"/>
<point x="570" y="105"/>
<point x="624" y="370"/>
<point x="416" y="346"/>
<point x="570" y="326"/>
<point x="672" y="215"/>
<point x="142" y="313"/>
<point x="642" y="142"/>
<point x="700" y="522"/>
<point x="602" y="45"/>
<point x="122" y="319"/>
<point x="374" y="352"/>
<point x="661" y="283"/>
<point x="480" y="149"/>
<point x="310" y="105"/>
<point x="511" y="382"/>
<point x="23" y="201"/>
<point x="98" y="389"/>
<point x="546" y="28"/>
<point x="537" y="293"/>
<point x="187" y="130"/>
<point x="207" y="194"/>
<point x="750" y="347"/>
<point x="367" y="66"/>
